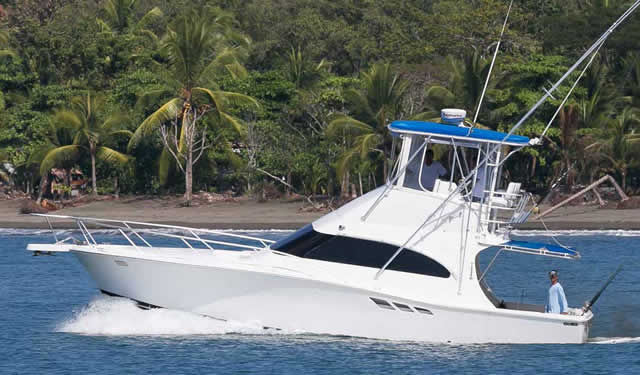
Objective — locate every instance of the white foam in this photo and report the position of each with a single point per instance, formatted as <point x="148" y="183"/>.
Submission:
<point x="614" y="340"/>
<point x="111" y="316"/>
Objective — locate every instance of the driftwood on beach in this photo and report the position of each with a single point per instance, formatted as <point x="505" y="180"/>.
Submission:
<point x="593" y="188"/>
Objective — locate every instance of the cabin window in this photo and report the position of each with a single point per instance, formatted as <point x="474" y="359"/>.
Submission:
<point x="308" y="243"/>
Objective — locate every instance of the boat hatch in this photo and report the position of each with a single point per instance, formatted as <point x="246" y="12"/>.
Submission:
<point x="541" y="249"/>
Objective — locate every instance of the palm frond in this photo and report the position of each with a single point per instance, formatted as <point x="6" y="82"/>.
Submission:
<point x="345" y="160"/>
<point x="440" y="96"/>
<point x="66" y="119"/>
<point x="149" y="17"/>
<point x="166" y="163"/>
<point x="221" y="99"/>
<point x="150" y="96"/>
<point x="359" y="104"/>
<point x="59" y="157"/>
<point x="343" y="124"/>
<point x="114" y="122"/>
<point x="104" y="26"/>
<point x="109" y="155"/>
<point x="228" y="60"/>
<point x="367" y="143"/>
<point x="37" y="155"/>
<point x="8" y="53"/>
<point x="233" y="121"/>
<point x="167" y="112"/>
<point x="236" y="70"/>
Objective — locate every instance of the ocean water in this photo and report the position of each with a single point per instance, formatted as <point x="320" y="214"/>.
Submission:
<point x="54" y="321"/>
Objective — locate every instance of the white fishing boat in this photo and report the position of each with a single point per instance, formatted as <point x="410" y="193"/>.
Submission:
<point x="400" y="262"/>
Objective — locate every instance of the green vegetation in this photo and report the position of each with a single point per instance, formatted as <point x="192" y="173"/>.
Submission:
<point x="179" y="96"/>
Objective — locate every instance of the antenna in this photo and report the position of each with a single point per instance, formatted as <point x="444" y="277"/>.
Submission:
<point x="495" y="53"/>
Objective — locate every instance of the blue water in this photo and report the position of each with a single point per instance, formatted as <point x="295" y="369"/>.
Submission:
<point x="54" y="321"/>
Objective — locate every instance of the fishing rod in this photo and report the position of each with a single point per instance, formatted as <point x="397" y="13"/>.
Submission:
<point x="589" y="304"/>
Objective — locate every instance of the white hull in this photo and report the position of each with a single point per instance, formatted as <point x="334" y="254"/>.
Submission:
<point x="276" y="297"/>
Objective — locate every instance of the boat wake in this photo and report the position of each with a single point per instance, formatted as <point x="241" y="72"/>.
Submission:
<point x="112" y="316"/>
<point x="614" y="340"/>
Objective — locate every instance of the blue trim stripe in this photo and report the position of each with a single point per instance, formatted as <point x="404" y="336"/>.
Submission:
<point x="434" y="128"/>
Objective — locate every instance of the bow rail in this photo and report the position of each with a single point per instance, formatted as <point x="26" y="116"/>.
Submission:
<point x="134" y="232"/>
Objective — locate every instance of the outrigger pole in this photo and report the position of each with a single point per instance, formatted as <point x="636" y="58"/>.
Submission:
<point x="486" y="82"/>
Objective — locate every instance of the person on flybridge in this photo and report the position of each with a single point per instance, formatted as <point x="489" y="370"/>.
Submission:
<point x="431" y="170"/>
<point x="557" y="300"/>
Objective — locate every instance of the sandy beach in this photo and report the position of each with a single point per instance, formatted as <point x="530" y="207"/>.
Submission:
<point x="242" y="214"/>
<point x="247" y="214"/>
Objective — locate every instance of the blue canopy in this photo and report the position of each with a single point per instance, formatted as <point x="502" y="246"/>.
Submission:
<point x="458" y="132"/>
<point x="541" y="249"/>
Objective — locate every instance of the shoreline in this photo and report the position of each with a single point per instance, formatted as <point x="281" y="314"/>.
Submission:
<point x="277" y="215"/>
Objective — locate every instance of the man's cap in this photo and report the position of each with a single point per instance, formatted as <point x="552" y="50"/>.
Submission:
<point x="553" y="273"/>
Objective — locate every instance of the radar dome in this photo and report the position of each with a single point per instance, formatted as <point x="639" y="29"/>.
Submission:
<point x="452" y="116"/>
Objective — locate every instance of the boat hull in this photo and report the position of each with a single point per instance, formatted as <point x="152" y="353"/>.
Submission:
<point x="296" y="304"/>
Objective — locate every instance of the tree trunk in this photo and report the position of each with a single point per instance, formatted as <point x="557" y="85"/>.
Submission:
<point x="345" y="185"/>
<point x="44" y="182"/>
<point x="624" y="180"/>
<point x="116" y="187"/>
<point x="188" y="180"/>
<point x="264" y="190"/>
<point x="360" y="181"/>
<point x="67" y="182"/>
<point x="289" y="183"/>
<point x="94" y="183"/>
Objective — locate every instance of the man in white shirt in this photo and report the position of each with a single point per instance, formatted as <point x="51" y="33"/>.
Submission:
<point x="431" y="170"/>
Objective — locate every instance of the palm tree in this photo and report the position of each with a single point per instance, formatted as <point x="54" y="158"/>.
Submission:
<point x="91" y="135"/>
<point x="120" y="18"/>
<point x="569" y="144"/>
<point x="621" y="147"/>
<point x="464" y="86"/>
<point x="190" y="44"/>
<point x="372" y="109"/>
<point x="600" y="99"/>
<point x="631" y="67"/>
<point x="300" y="70"/>
<point x="58" y="147"/>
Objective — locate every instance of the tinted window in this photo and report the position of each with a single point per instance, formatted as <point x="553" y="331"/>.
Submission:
<point x="310" y="244"/>
<point x="300" y="241"/>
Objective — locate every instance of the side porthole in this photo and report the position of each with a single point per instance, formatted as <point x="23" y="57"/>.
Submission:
<point x="382" y="303"/>
<point x="423" y="310"/>
<point x="402" y="307"/>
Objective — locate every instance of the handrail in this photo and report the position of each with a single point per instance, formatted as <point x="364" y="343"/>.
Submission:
<point x="210" y="231"/>
<point x="130" y="226"/>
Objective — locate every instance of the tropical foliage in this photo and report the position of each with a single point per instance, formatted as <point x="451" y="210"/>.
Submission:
<point x="180" y="96"/>
<point x="81" y="130"/>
